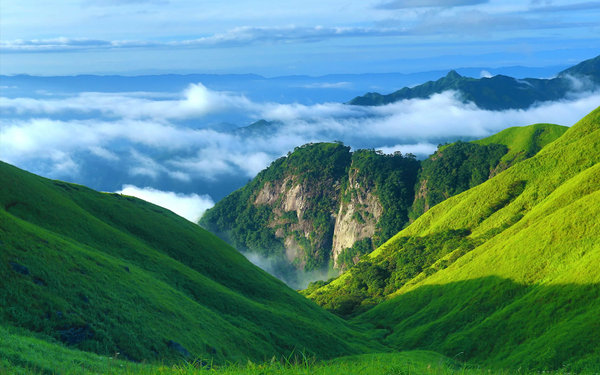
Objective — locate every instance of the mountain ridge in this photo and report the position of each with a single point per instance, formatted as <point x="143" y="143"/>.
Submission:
<point x="499" y="92"/>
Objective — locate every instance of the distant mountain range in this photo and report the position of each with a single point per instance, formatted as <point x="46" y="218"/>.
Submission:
<point x="499" y="92"/>
<point x="284" y="89"/>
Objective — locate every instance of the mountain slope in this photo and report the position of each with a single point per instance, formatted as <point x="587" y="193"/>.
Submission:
<point x="459" y="166"/>
<point x="523" y="142"/>
<point x="109" y="273"/>
<point x="518" y="284"/>
<point x="306" y="208"/>
<point x="323" y="205"/>
<point x="498" y="92"/>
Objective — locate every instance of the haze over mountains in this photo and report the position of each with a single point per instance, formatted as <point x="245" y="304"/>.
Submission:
<point x="500" y="92"/>
<point x="176" y="135"/>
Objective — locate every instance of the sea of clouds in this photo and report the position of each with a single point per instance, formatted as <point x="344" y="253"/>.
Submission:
<point x="166" y="148"/>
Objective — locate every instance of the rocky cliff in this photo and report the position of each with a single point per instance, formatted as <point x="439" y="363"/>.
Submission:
<point x="315" y="204"/>
<point x="323" y="206"/>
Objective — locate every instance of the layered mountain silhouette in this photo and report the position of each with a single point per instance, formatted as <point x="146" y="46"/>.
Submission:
<point x="499" y="92"/>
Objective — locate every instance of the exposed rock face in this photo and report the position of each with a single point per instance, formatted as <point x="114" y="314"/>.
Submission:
<point x="292" y="202"/>
<point x="355" y="219"/>
<point x="309" y="207"/>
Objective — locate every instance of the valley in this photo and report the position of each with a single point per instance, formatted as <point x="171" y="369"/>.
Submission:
<point x="502" y="275"/>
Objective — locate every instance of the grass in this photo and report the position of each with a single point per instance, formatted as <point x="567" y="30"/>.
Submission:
<point x="27" y="355"/>
<point x="108" y="273"/>
<point x="524" y="141"/>
<point x="529" y="293"/>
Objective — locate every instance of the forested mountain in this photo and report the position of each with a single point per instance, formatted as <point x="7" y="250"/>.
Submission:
<point x="499" y="92"/>
<point x="325" y="206"/>
<point x="320" y="199"/>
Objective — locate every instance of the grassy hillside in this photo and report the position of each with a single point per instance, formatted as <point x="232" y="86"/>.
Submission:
<point x="524" y="141"/>
<point x="460" y="166"/>
<point x="504" y="273"/>
<point x="113" y="274"/>
<point x="24" y="355"/>
<point x="533" y="287"/>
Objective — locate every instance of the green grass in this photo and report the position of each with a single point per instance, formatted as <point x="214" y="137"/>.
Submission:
<point x="524" y="141"/>
<point x="107" y="273"/>
<point x="529" y="293"/>
<point x="28" y="355"/>
<point x="401" y="363"/>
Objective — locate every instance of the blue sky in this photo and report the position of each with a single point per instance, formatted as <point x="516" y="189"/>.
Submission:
<point x="272" y="38"/>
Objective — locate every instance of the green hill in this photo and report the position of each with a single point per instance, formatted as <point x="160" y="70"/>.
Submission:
<point x="505" y="273"/>
<point x="459" y="166"/>
<point x="498" y="92"/>
<point x="111" y="274"/>
<point x="523" y="142"/>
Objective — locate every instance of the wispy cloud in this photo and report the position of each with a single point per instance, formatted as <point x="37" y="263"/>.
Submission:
<point x="189" y="206"/>
<point x="238" y="36"/>
<point x="428" y="24"/>
<point x="403" y="4"/>
<point x="589" y="5"/>
<point x="467" y="22"/>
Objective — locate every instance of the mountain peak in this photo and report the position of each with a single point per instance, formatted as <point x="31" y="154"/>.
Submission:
<point x="453" y="74"/>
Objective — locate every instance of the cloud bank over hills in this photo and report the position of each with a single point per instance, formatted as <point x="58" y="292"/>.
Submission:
<point x="169" y="141"/>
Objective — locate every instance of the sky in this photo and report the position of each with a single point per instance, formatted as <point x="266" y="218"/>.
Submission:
<point x="178" y="144"/>
<point x="310" y="37"/>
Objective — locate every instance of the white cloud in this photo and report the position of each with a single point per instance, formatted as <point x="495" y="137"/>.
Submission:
<point x="190" y="206"/>
<point x="402" y="4"/>
<point x="195" y="101"/>
<point x="418" y="149"/>
<point x="104" y="153"/>
<point x="237" y="36"/>
<point x="485" y="74"/>
<point x="157" y="148"/>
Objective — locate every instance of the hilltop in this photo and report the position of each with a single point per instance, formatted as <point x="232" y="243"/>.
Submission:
<point x="498" y="92"/>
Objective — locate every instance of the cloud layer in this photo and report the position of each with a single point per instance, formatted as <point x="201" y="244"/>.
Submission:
<point x="158" y="142"/>
<point x="190" y="206"/>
